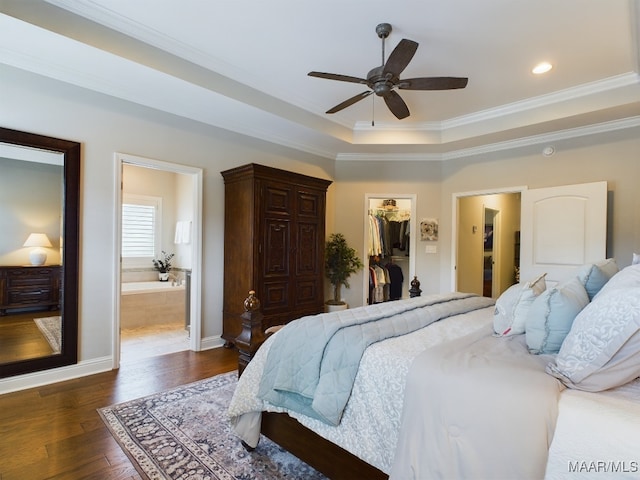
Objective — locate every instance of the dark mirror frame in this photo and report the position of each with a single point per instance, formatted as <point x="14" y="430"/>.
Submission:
<point x="71" y="212"/>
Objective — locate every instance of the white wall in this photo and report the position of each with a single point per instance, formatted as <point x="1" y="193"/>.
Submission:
<point x="105" y="126"/>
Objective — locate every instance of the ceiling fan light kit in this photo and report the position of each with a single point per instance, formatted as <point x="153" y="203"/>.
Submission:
<point x="385" y="79"/>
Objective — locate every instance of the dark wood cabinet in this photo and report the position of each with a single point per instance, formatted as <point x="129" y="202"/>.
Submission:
<point x="273" y="243"/>
<point x="29" y="286"/>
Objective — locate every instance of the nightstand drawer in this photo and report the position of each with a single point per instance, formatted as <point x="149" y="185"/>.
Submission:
<point x="30" y="296"/>
<point x="29" y="277"/>
<point x="29" y="287"/>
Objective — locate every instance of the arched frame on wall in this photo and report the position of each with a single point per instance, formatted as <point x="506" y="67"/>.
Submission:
<point x="412" y="197"/>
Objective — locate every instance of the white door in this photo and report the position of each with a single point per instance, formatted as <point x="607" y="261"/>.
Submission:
<point x="562" y="228"/>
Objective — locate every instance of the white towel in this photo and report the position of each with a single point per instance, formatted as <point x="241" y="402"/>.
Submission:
<point x="186" y="232"/>
<point x="183" y="232"/>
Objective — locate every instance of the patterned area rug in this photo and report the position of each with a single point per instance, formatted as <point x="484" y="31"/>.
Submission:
<point x="185" y="434"/>
<point x="51" y="328"/>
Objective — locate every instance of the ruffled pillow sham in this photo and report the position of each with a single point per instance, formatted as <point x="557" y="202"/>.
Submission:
<point x="512" y="307"/>
<point x="552" y="314"/>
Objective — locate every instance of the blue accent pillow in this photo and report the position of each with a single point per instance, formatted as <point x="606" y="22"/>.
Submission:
<point x="551" y="315"/>
<point x="595" y="275"/>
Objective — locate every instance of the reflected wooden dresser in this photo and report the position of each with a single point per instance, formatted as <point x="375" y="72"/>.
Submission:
<point x="274" y="235"/>
<point x="29" y="286"/>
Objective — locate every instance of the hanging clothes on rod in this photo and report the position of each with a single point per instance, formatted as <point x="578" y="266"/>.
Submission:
<point x="388" y="239"/>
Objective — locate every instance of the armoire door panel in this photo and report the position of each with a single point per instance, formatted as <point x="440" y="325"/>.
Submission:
<point x="275" y="296"/>
<point x="309" y="203"/>
<point x="277" y="199"/>
<point x="306" y="292"/>
<point x="277" y="247"/>
<point x="307" y="247"/>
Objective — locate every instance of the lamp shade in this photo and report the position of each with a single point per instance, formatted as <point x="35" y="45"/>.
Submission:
<point x="37" y="240"/>
<point x="38" y="256"/>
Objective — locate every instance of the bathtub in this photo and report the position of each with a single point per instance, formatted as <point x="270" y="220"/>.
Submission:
<point x="152" y="303"/>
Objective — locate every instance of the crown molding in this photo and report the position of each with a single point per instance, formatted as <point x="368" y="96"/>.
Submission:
<point x="567" y="134"/>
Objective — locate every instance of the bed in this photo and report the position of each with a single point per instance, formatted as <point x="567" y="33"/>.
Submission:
<point x="423" y="403"/>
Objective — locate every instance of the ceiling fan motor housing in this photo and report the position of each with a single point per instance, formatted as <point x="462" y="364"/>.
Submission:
<point x="380" y="82"/>
<point x="383" y="30"/>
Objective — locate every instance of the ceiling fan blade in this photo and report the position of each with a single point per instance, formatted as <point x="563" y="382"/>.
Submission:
<point x="400" y="57"/>
<point x="396" y="105"/>
<point x="433" y="83"/>
<point x="335" y="76"/>
<point x="350" y="101"/>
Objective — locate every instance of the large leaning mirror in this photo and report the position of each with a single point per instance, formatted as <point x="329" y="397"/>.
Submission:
<point x="39" y="212"/>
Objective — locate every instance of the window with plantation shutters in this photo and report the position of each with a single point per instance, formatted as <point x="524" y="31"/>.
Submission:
<point x="140" y="228"/>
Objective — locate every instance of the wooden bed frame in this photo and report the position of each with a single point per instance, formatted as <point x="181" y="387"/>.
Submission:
<point x="326" y="457"/>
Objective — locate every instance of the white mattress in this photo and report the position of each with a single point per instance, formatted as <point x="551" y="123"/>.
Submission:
<point x="597" y="435"/>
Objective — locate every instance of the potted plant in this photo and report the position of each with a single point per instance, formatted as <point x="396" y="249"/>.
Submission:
<point x="163" y="265"/>
<point x="340" y="261"/>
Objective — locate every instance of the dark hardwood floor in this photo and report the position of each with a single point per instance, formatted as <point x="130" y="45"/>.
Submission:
<point x="55" y="431"/>
<point x="20" y="338"/>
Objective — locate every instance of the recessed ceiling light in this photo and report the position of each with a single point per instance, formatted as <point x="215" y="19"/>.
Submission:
<point x="543" y="67"/>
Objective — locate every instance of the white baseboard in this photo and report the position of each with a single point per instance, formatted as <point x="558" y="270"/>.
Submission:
<point x="211" y="342"/>
<point x="82" y="369"/>
<point x="45" y="377"/>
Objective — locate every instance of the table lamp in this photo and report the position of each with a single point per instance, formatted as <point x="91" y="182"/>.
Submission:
<point x="38" y="255"/>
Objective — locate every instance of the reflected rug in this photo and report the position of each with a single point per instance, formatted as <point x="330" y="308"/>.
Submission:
<point x="51" y="328"/>
<point x="185" y="433"/>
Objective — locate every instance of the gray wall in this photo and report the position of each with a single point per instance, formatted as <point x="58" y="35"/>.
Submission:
<point x="105" y="126"/>
<point x="30" y="202"/>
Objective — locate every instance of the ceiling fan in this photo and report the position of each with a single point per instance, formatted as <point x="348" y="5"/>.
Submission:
<point x="385" y="79"/>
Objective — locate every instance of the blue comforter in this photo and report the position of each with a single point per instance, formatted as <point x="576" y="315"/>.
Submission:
<point x="313" y="361"/>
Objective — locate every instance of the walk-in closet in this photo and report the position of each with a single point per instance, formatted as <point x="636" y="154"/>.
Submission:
<point x="388" y="248"/>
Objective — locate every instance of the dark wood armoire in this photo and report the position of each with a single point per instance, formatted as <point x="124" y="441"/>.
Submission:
<point x="274" y="234"/>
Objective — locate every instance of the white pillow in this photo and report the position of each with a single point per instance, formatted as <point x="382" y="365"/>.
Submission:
<point x="602" y="350"/>
<point x="510" y="314"/>
<point x="636" y="259"/>
<point x="551" y="315"/>
<point x="595" y="275"/>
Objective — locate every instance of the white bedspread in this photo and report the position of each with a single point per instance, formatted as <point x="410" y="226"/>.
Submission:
<point x="597" y="435"/>
<point x="371" y="420"/>
<point x="481" y="407"/>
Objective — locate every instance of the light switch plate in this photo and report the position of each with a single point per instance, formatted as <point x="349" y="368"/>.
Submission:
<point x="431" y="249"/>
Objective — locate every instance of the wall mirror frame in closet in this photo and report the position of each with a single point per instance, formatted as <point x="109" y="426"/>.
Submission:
<point x="405" y="204"/>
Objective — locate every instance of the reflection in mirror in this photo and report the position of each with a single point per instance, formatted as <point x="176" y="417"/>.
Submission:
<point x="39" y="189"/>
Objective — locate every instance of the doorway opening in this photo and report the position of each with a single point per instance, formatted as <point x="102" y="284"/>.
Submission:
<point x="491" y="252"/>
<point x="158" y="216"/>
<point x="486" y="241"/>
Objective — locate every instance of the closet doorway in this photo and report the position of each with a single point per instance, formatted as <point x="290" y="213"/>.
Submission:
<point x="162" y="199"/>
<point x="393" y="253"/>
